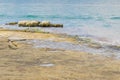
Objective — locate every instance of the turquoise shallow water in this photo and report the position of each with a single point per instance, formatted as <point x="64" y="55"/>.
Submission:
<point x="99" y="22"/>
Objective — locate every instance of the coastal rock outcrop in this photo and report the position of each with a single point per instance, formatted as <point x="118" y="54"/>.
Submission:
<point x="56" y="25"/>
<point x="33" y="23"/>
<point x="12" y="23"/>
<point x="45" y="24"/>
<point x="48" y="24"/>
<point x="28" y="23"/>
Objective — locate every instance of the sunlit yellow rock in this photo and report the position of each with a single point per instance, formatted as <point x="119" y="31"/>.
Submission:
<point x="28" y="23"/>
<point x="45" y="24"/>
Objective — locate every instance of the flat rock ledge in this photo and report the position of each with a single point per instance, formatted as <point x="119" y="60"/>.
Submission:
<point x="33" y="23"/>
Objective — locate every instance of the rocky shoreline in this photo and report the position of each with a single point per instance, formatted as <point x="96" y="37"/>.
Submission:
<point x="21" y="61"/>
<point x="62" y="41"/>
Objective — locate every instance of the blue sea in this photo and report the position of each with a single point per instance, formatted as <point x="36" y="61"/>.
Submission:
<point x="100" y="22"/>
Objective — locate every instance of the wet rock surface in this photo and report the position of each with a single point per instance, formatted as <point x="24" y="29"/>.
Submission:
<point x="58" y="42"/>
<point x="91" y="47"/>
